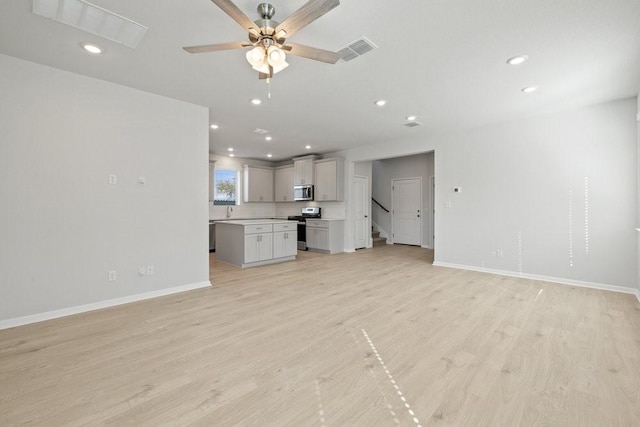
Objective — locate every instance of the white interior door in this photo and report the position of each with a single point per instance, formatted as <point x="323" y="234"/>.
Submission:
<point x="362" y="221"/>
<point x="407" y="215"/>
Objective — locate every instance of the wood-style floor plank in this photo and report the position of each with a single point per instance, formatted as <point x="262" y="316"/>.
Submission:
<point x="377" y="337"/>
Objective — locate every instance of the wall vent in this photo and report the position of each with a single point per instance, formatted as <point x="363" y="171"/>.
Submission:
<point x="412" y="124"/>
<point x="356" y="48"/>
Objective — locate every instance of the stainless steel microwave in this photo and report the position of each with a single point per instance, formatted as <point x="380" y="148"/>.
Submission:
<point x="303" y="192"/>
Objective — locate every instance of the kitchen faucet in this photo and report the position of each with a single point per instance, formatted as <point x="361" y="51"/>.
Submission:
<point x="229" y="210"/>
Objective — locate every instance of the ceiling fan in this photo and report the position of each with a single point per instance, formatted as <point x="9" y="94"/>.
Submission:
<point x="268" y="37"/>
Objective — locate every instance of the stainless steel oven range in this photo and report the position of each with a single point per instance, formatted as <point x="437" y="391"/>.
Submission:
<point x="308" y="212"/>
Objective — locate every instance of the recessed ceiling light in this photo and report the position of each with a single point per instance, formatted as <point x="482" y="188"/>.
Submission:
<point x="517" y="60"/>
<point x="268" y="138"/>
<point x="231" y="155"/>
<point x="530" y="89"/>
<point x="214" y="126"/>
<point x="256" y="101"/>
<point x="92" y="48"/>
<point x="269" y="155"/>
<point x="411" y="118"/>
<point x="308" y="147"/>
<point x="230" y="149"/>
<point x="381" y="102"/>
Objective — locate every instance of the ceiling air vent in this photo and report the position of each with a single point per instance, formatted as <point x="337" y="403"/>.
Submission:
<point x="412" y="124"/>
<point x="93" y="19"/>
<point x="356" y="48"/>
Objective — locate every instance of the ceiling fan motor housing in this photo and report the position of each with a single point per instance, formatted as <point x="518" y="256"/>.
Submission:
<point x="267" y="27"/>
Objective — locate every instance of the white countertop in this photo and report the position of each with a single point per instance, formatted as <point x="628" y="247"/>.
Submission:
<point x="254" y="221"/>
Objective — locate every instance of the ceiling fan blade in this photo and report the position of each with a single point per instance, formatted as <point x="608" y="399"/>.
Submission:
<point x="312" y="53"/>
<point x="216" y="47"/>
<point x="235" y="13"/>
<point x="308" y="13"/>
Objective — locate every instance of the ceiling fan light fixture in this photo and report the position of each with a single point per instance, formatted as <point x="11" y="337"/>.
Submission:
<point x="276" y="58"/>
<point x="255" y="57"/>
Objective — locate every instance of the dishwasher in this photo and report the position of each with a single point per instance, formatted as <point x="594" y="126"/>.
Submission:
<point x="212" y="236"/>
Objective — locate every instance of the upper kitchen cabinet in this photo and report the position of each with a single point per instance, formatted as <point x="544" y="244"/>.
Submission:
<point x="284" y="184"/>
<point x="329" y="180"/>
<point x="258" y="184"/>
<point x="303" y="170"/>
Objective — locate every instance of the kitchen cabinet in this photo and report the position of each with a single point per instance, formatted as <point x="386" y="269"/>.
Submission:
<point x="284" y="184"/>
<point x="258" y="184"/>
<point x="325" y="235"/>
<point x="303" y="170"/>
<point x="329" y="180"/>
<point x="253" y="242"/>
<point x="258" y="247"/>
<point x="285" y="240"/>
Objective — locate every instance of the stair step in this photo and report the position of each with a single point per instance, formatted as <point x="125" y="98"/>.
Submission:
<point x="375" y="234"/>
<point x="379" y="241"/>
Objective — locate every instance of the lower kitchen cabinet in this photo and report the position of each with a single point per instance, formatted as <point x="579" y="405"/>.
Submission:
<point x="285" y="239"/>
<point x="258" y="247"/>
<point x="249" y="243"/>
<point x="325" y="235"/>
<point x="285" y="244"/>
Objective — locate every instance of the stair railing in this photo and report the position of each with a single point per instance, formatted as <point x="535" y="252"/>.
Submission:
<point x="378" y="203"/>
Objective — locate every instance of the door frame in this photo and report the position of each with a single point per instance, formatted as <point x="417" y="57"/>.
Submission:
<point x="393" y="199"/>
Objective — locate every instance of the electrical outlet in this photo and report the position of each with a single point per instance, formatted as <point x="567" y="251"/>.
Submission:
<point x="149" y="270"/>
<point x="113" y="179"/>
<point x="499" y="253"/>
<point x="112" y="275"/>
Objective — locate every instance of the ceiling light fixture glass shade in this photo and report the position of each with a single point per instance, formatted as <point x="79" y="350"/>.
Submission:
<point x="276" y="58"/>
<point x="261" y="59"/>
<point x="256" y="57"/>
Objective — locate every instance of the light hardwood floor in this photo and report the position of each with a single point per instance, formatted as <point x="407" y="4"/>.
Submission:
<point x="375" y="338"/>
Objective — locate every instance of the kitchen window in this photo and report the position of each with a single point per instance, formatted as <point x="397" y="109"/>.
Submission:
<point x="225" y="187"/>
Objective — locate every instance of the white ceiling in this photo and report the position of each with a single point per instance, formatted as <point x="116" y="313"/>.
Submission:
<point x="442" y="60"/>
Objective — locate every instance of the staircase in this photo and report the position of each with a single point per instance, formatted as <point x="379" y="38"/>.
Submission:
<point x="377" y="240"/>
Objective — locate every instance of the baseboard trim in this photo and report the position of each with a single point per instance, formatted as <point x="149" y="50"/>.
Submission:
<point x="48" y="315"/>
<point x="558" y="280"/>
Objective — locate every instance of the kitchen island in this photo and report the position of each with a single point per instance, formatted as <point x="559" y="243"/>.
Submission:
<point x="254" y="242"/>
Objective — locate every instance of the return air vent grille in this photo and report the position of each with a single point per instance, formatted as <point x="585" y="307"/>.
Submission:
<point x="356" y="48"/>
<point x="413" y="124"/>
<point x="93" y="19"/>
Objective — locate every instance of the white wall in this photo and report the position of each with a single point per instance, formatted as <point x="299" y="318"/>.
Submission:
<point x="384" y="171"/>
<point x="638" y="193"/>
<point x="517" y="180"/>
<point x="63" y="227"/>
